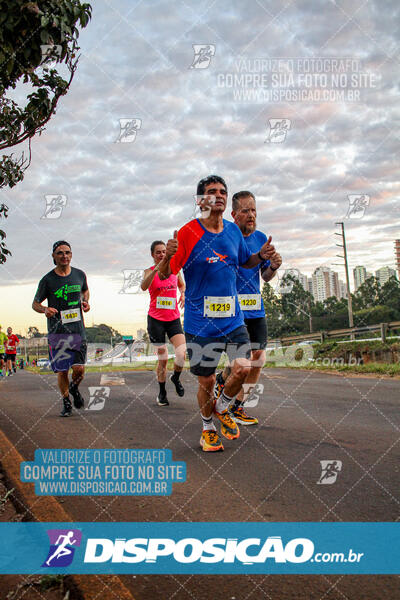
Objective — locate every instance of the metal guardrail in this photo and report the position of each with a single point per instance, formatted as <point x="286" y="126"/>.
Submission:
<point x="383" y="328"/>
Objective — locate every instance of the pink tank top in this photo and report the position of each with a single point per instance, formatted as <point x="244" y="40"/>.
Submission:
<point x="163" y="301"/>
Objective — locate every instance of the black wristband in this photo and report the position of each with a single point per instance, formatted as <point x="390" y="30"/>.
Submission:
<point x="260" y="257"/>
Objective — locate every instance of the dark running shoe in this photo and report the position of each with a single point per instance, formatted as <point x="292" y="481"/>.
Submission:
<point x="162" y="399"/>
<point x="67" y="407"/>
<point x="78" y="400"/>
<point x="180" y="390"/>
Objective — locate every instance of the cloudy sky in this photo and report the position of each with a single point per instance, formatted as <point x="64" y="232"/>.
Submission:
<point x="207" y="110"/>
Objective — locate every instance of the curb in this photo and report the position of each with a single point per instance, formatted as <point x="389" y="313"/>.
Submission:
<point x="46" y="508"/>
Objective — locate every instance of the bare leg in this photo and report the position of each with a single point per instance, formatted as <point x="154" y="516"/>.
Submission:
<point x="78" y="372"/>
<point x="63" y="383"/>
<point x="179" y="343"/>
<point x="162" y="354"/>
<point x="257" y="362"/>
<point x="240" y="369"/>
<point x="205" y="395"/>
<point x="226" y="372"/>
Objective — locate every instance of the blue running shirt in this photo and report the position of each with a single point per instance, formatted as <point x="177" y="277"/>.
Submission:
<point x="248" y="280"/>
<point x="210" y="262"/>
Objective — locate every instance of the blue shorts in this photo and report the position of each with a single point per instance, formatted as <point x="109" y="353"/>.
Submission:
<point x="66" y="350"/>
<point x="205" y="352"/>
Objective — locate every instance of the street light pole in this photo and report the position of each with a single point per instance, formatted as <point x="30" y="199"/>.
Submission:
<point x="346" y="266"/>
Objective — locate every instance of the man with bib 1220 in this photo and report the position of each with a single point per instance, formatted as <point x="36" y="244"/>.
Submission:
<point x="244" y="213"/>
<point x="66" y="291"/>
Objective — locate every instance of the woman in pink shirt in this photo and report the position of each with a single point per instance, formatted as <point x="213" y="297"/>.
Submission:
<point x="164" y="318"/>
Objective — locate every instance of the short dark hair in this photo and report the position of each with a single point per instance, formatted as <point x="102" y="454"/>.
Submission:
<point x="201" y="186"/>
<point x="236" y="197"/>
<point x="154" y="244"/>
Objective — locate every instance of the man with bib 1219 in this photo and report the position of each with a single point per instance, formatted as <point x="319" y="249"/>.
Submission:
<point x="66" y="291"/>
<point x="210" y="250"/>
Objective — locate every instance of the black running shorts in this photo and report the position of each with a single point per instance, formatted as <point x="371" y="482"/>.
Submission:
<point x="258" y="333"/>
<point x="158" y="329"/>
<point x="204" y="353"/>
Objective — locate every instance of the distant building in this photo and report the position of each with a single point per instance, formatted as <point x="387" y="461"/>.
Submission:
<point x="325" y="283"/>
<point x="384" y="273"/>
<point x="295" y="273"/>
<point x="342" y="289"/>
<point x="397" y="255"/>
<point x="360" y="275"/>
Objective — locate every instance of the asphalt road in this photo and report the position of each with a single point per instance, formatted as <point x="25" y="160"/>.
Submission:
<point x="269" y="474"/>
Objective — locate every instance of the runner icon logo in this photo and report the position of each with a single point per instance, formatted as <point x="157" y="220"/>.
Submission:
<point x="50" y="54"/>
<point x="252" y="393"/>
<point x="278" y="129"/>
<point x="202" y="206"/>
<point x="62" y="547"/>
<point x="358" y="204"/>
<point x="54" y="206"/>
<point x="329" y="471"/>
<point x="132" y="280"/>
<point x="98" y="397"/>
<point x="128" y="129"/>
<point x="203" y="54"/>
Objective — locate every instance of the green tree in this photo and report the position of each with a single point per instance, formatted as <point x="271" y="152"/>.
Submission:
<point x="32" y="36"/>
<point x="333" y="304"/>
<point x="374" y="315"/>
<point x="33" y="332"/>
<point x="103" y="334"/>
<point x="390" y="295"/>
<point x="273" y="310"/>
<point x="296" y="306"/>
<point x="368" y="294"/>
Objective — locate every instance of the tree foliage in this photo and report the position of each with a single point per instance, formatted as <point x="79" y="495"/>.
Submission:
<point x="36" y="38"/>
<point x="289" y="313"/>
<point x="103" y="334"/>
<point x="33" y="332"/>
<point x="368" y="294"/>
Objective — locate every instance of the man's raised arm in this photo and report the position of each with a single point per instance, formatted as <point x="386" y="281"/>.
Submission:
<point x="265" y="253"/>
<point x="172" y="247"/>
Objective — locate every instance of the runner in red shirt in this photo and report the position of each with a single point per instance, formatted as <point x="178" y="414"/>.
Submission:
<point x="164" y="319"/>
<point x="11" y="351"/>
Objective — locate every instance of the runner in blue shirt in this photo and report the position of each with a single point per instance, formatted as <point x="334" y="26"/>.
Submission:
<point x="244" y="214"/>
<point x="210" y="250"/>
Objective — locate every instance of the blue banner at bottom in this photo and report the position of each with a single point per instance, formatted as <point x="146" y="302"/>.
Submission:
<point x="194" y="548"/>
